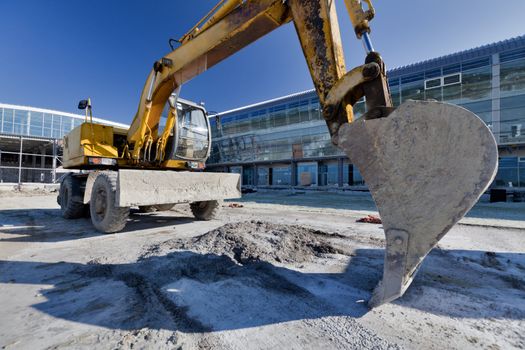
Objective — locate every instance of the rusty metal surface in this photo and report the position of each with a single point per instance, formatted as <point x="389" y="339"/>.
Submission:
<point x="318" y="30"/>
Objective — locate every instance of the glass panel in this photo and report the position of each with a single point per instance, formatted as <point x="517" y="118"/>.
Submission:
<point x="512" y="116"/>
<point x="67" y="124"/>
<point x="247" y="176"/>
<point x="512" y="102"/>
<point x="433" y="73"/>
<point x="451" y="79"/>
<point x="307" y="174"/>
<point x="281" y="176"/>
<point x="293" y="115"/>
<point x="413" y="91"/>
<point x="48" y="118"/>
<point x="358" y="179"/>
<point x="452" y="69"/>
<point x="57" y="121"/>
<point x="192" y="133"/>
<point x="46" y="132"/>
<point x="512" y="77"/>
<point x="347" y="173"/>
<point x="8" y="121"/>
<point x="278" y="116"/>
<point x="476" y="84"/>
<point x="396" y="96"/>
<point x="328" y="174"/>
<point x="304" y="113"/>
<point x="522" y="175"/>
<point x="262" y="176"/>
<point x="482" y="108"/>
<point x="512" y="125"/>
<point x="432" y="83"/>
<point x="434" y="94"/>
<point x="315" y="111"/>
<point x="506" y="177"/>
<point x="37" y="120"/>
<point x="20" y="122"/>
<point x="452" y="93"/>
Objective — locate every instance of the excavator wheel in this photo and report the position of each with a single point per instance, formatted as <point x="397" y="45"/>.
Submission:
<point x="105" y="216"/>
<point x="206" y="210"/>
<point x="70" y="199"/>
<point x="425" y="165"/>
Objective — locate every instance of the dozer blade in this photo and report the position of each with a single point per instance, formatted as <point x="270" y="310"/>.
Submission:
<point x="426" y="165"/>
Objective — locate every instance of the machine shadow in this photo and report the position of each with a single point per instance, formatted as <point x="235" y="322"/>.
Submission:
<point x="48" y="225"/>
<point x="193" y="292"/>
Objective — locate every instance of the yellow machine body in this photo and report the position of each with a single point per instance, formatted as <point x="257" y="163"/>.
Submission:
<point x="91" y="145"/>
<point x="89" y="140"/>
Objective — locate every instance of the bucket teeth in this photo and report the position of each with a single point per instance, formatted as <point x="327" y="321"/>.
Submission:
<point x="426" y="165"/>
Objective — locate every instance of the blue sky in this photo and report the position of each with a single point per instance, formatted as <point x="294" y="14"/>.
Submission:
<point x="56" y="52"/>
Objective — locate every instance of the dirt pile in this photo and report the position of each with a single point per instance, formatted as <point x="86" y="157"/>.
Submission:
<point x="251" y="241"/>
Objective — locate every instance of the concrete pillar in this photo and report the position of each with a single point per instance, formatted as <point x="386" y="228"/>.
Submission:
<point x="496" y="94"/>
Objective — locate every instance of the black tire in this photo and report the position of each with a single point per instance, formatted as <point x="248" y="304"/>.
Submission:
<point x="206" y="210"/>
<point x="105" y="216"/>
<point x="70" y="198"/>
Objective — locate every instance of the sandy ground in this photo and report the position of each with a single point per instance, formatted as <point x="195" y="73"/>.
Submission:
<point x="287" y="270"/>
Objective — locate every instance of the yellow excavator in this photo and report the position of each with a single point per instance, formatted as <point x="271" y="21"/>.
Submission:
<point x="426" y="163"/>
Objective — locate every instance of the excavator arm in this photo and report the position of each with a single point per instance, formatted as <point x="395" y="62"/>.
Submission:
<point x="426" y="163"/>
<point x="232" y="25"/>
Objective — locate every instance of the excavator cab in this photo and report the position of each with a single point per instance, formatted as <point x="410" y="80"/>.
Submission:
<point x="189" y="133"/>
<point x="193" y="140"/>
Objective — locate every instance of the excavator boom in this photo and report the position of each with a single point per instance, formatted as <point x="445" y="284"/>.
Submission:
<point x="426" y="163"/>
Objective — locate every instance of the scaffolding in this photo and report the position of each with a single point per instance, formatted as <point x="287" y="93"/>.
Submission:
<point x="25" y="159"/>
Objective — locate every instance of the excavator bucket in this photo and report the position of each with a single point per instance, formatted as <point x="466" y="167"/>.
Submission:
<point x="426" y="165"/>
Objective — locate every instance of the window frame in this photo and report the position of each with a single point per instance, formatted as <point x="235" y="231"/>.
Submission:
<point x="451" y="75"/>
<point x="442" y="81"/>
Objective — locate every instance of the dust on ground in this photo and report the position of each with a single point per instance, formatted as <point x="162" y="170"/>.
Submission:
<point x="261" y="241"/>
<point x="265" y="276"/>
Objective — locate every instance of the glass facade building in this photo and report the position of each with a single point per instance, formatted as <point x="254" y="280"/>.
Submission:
<point x="38" y="122"/>
<point x="30" y="142"/>
<point x="285" y="142"/>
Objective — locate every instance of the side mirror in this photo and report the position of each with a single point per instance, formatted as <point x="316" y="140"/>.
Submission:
<point x="83" y="104"/>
